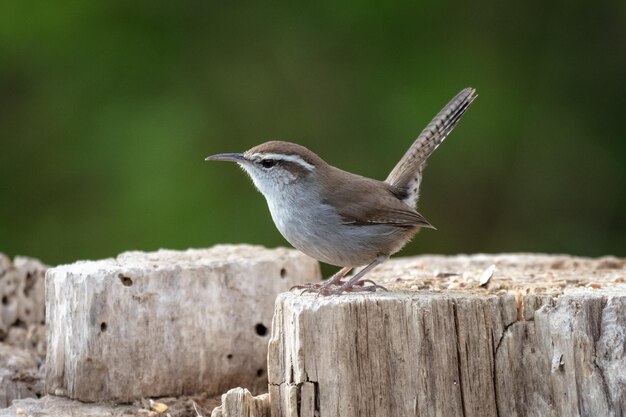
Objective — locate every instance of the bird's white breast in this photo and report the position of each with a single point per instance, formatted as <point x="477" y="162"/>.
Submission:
<point x="317" y="230"/>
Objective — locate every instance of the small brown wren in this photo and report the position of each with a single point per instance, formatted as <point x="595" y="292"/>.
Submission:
<point x="342" y="218"/>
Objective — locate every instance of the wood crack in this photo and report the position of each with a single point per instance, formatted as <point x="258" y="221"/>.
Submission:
<point x="458" y="357"/>
<point x="596" y="340"/>
<point x="504" y="332"/>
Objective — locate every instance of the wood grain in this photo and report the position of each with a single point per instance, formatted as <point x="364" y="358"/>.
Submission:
<point x="545" y="337"/>
<point x="239" y="402"/>
<point x="166" y="323"/>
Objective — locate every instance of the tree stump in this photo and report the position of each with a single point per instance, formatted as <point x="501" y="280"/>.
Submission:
<point x="166" y="323"/>
<point x="455" y="336"/>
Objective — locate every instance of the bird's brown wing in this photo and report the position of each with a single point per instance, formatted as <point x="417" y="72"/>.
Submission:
<point x="363" y="201"/>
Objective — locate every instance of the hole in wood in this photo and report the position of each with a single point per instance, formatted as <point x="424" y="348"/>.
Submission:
<point x="229" y="356"/>
<point x="126" y="281"/>
<point x="260" y="372"/>
<point x="283" y="273"/>
<point x="260" y="329"/>
<point x="5" y="300"/>
<point x="103" y="327"/>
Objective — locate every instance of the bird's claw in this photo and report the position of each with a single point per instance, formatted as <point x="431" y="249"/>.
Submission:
<point x="311" y="287"/>
<point x="360" y="287"/>
<point x="340" y="287"/>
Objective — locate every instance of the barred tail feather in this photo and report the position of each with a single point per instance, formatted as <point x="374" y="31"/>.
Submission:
<point x="406" y="176"/>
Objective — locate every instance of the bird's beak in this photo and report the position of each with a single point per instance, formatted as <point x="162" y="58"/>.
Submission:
<point x="230" y="157"/>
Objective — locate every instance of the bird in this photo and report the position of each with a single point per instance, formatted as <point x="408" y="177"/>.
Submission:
<point x="341" y="218"/>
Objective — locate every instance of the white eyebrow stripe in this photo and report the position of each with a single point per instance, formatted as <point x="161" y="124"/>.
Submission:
<point x="282" y="157"/>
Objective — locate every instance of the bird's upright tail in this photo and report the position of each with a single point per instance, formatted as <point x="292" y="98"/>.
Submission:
<point x="407" y="174"/>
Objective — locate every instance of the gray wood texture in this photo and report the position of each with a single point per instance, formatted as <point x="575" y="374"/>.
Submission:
<point x="18" y="375"/>
<point x="544" y="336"/>
<point x="22" y="340"/>
<point x="21" y="293"/>
<point x="166" y="323"/>
<point x="239" y="402"/>
<point x="51" y="406"/>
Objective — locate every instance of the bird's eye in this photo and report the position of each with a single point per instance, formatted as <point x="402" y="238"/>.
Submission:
<point x="268" y="163"/>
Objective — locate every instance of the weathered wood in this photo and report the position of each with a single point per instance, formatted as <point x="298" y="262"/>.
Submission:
<point x="239" y="402"/>
<point x="22" y="347"/>
<point x="166" y="323"/>
<point x="19" y="375"/>
<point x="53" y="406"/>
<point x="21" y="293"/>
<point x="545" y="336"/>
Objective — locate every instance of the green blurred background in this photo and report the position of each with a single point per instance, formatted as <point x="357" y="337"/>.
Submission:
<point x="107" y="110"/>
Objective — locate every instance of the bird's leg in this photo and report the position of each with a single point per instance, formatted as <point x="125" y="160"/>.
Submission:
<point x="336" y="279"/>
<point x="333" y="280"/>
<point x="353" y="284"/>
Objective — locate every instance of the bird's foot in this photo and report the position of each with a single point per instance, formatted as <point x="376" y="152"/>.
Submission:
<point x="320" y="288"/>
<point x="359" y="286"/>
<point x="338" y="287"/>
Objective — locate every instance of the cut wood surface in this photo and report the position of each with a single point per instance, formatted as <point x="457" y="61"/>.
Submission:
<point x="166" y="323"/>
<point x="543" y="336"/>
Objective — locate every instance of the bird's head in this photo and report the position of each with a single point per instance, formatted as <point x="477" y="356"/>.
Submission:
<point x="274" y="166"/>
